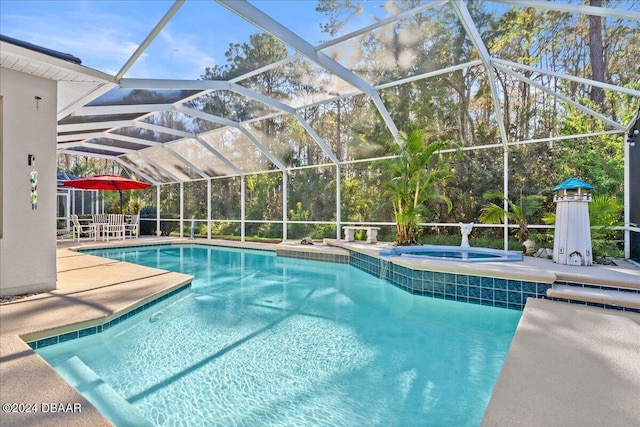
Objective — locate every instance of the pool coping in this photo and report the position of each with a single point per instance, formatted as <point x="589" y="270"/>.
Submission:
<point x="30" y="379"/>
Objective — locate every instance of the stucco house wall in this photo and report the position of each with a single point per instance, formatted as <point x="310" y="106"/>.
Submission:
<point x="28" y="237"/>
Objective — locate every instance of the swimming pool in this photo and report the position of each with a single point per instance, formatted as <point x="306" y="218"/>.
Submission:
<point x="453" y="253"/>
<point x="266" y="340"/>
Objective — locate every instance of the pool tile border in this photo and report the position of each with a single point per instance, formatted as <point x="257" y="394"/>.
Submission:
<point x="595" y="304"/>
<point x="92" y="330"/>
<point x="483" y="290"/>
<point x="314" y="256"/>
<point x="588" y="285"/>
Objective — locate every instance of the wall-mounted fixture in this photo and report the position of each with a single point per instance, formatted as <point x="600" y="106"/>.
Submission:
<point x="633" y="137"/>
<point x="37" y="98"/>
<point x="634" y="132"/>
<point x="33" y="180"/>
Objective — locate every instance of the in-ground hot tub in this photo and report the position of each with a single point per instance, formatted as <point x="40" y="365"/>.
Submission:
<point x="453" y="253"/>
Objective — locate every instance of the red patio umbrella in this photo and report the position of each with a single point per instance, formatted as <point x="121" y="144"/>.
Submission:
<point x="106" y="182"/>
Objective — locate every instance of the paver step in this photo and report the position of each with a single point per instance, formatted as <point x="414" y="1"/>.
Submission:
<point x="594" y="295"/>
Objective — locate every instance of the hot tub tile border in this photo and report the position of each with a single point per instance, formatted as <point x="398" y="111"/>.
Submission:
<point x="472" y="289"/>
<point x="494" y="291"/>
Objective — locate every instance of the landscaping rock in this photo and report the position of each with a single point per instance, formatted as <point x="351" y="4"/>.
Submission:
<point x="529" y="247"/>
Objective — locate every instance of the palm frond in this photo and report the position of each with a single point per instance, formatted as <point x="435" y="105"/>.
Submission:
<point x="492" y="214"/>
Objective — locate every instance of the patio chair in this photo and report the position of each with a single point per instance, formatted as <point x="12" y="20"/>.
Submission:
<point x="100" y="218"/>
<point x="79" y="229"/>
<point x="132" y="227"/>
<point x="100" y="222"/>
<point x="115" y="226"/>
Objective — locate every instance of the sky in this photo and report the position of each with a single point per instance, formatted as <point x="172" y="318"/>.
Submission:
<point x="104" y="34"/>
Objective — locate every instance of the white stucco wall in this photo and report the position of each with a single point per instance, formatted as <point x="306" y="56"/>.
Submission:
<point x="28" y="242"/>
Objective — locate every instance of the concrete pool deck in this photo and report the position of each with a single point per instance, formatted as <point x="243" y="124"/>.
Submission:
<point x="567" y="365"/>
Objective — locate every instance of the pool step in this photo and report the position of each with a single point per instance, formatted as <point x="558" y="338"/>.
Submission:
<point x="100" y="394"/>
<point x="594" y="295"/>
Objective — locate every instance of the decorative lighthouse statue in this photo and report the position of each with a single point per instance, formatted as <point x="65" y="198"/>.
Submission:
<point x="572" y="238"/>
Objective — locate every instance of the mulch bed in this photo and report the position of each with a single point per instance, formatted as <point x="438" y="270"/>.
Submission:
<point x="11" y="298"/>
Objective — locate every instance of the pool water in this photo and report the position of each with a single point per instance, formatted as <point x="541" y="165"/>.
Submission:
<point x="261" y="340"/>
<point x="457" y="255"/>
<point x="452" y="253"/>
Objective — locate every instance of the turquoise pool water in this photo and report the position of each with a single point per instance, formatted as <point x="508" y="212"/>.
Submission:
<point x="453" y="253"/>
<point x="261" y="340"/>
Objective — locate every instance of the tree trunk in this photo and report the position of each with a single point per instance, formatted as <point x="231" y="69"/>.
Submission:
<point x="597" y="53"/>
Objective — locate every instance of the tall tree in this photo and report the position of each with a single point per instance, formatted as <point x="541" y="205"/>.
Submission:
<point x="596" y="56"/>
<point x="262" y="49"/>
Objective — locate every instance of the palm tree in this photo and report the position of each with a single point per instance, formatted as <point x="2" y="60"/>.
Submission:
<point x="415" y="176"/>
<point x="518" y="213"/>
